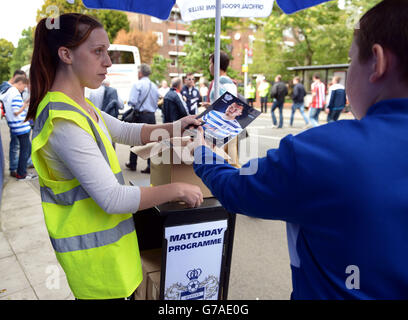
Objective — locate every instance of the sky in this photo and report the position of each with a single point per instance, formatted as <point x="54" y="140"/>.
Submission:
<point x="16" y="16"/>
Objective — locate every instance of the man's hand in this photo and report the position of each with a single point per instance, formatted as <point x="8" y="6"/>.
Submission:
<point x="199" y="140"/>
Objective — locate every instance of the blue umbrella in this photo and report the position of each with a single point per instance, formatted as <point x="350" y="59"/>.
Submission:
<point x="161" y="9"/>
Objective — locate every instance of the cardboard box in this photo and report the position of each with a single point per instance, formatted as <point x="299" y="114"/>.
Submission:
<point x="151" y="263"/>
<point x="172" y="161"/>
<point x="153" y="286"/>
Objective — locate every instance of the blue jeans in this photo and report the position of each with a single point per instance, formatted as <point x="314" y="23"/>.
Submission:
<point x="301" y="108"/>
<point x="314" y="116"/>
<point x="334" y="115"/>
<point x="264" y="104"/>
<point x="13" y="153"/>
<point x="25" y="151"/>
<point x="279" y="105"/>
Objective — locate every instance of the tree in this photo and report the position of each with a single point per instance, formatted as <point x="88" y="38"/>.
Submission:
<point x="159" y="68"/>
<point x="22" y="54"/>
<point x="321" y="35"/>
<point x="202" y="45"/>
<point x="145" y="41"/>
<point x="112" y="20"/>
<point x="6" y="52"/>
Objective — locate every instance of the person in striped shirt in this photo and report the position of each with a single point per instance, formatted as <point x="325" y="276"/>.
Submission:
<point x="220" y="125"/>
<point x="16" y="113"/>
<point x="318" y="99"/>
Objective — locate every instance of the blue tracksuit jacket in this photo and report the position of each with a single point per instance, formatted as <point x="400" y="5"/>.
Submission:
<point x="342" y="188"/>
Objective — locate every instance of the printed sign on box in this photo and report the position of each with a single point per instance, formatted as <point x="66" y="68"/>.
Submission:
<point x="193" y="262"/>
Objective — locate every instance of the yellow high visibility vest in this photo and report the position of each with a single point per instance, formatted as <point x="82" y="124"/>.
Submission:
<point x="251" y="93"/>
<point x="98" y="251"/>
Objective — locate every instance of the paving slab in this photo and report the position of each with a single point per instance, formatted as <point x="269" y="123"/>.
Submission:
<point x="12" y="278"/>
<point x="5" y="249"/>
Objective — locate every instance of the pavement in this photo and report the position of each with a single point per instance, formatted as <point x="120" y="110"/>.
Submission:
<point x="29" y="269"/>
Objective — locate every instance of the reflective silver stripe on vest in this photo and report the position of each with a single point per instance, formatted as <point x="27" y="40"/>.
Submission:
<point x="61" y="106"/>
<point x="69" y="197"/>
<point x="95" y="239"/>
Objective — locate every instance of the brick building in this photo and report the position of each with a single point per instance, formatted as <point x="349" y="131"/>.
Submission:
<point x="172" y="34"/>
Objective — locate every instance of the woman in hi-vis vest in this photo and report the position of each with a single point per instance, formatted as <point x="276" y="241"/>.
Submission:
<point x="87" y="207"/>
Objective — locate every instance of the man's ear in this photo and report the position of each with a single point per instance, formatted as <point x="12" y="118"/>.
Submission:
<point x="380" y="64"/>
<point x="65" y="55"/>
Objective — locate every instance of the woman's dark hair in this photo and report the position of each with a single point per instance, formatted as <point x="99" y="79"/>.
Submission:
<point x="72" y="31"/>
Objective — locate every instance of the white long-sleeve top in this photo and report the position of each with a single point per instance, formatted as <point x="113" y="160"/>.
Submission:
<point x="71" y="152"/>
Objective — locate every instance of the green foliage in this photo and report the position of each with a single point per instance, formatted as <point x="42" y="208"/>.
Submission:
<point x="321" y="35"/>
<point x="159" y="68"/>
<point x="6" y="52"/>
<point x="203" y="43"/>
<point x="22" y="54"/>
<point x="112" y="20"/>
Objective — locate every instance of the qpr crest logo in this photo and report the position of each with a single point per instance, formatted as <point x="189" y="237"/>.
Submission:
<point x="194" y="290"/>
<point x="228" y="97"/>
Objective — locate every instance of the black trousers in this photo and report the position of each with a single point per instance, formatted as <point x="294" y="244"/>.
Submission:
<point x="142" y="117"/>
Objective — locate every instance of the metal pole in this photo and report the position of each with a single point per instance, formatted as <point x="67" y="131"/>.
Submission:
<point x="217" y="48"/>
<point x="246" y="72"/>
<point x="177" y="46"/>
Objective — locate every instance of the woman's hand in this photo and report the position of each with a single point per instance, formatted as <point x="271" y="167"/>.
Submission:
<point x="183" y="123"/>
<point x="188" y="193"/>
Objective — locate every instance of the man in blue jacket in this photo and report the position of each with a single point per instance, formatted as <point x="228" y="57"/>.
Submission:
<point x="174" y="107"/>
<point x="342" y="188"/>
<point x="337" y="100"/>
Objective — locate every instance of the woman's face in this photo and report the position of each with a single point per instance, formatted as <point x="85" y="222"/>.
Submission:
<point x="90" y="60"/>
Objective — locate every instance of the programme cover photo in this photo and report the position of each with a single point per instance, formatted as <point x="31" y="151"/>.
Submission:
<point x="226" y="118"/>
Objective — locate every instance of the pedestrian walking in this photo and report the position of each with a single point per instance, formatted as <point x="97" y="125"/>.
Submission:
<point x="278" y="92"/>
<point x="174" y="106"/>
<point x="191" y="94"/>
<point x="337" y="100"/>
<point x="263" y="90"/>
<point x="318" y="99"/>
<point x="250" y="94"/>
<point x="87" y="206"/>
<point x="203" y="90"/>
<point x="143" y="99"/>
<point x="20" y="144"/>
<point x="298" y="97"/>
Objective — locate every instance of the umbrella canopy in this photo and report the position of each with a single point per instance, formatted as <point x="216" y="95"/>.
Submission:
<point x="161" y="8"/>
<point x="199" y="9"/>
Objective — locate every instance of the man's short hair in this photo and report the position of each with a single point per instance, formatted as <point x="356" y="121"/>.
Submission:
<point x="337" y="79"/>
<point x="278" y="77"/>
<point x="19" y="72"/>
<point x="385" y="24"/>
<point x="224" y="60"/>
<point x="21" y="79"/>
<point x="176" y="82"/>
<point x="296" y="79"/>
<point x="145" y="69"/>
<point x="316" y="75"/>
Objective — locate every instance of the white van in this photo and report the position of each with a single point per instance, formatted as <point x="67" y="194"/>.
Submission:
<point x="124" y="70"/>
